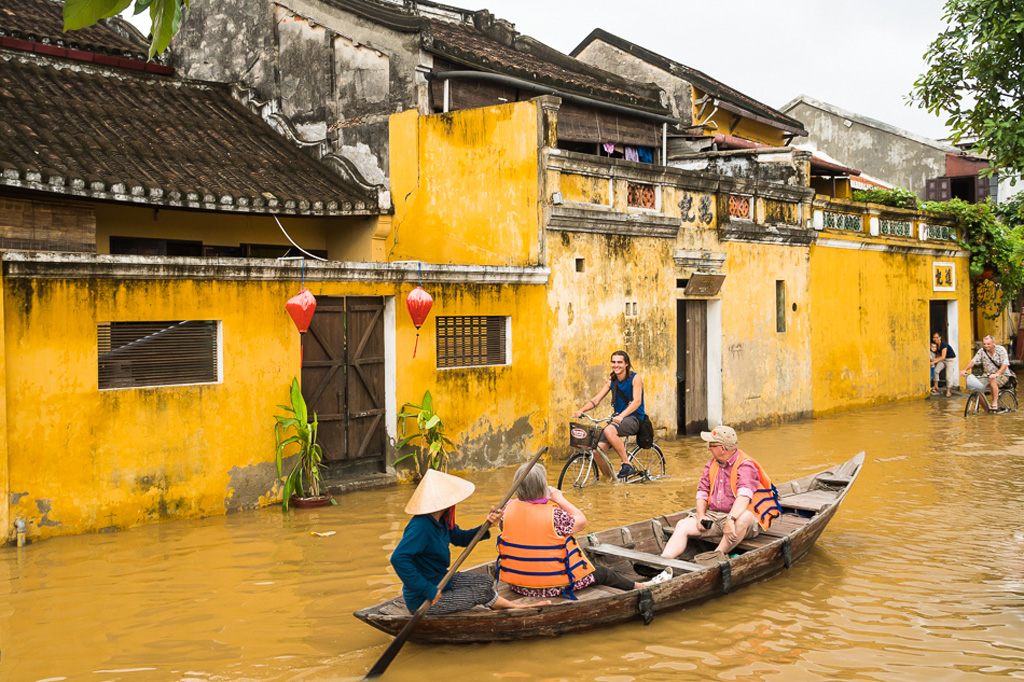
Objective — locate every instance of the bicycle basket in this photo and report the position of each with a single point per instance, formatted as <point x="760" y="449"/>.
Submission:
<point x="583" y="435"/>
<point x="975" y="384"/>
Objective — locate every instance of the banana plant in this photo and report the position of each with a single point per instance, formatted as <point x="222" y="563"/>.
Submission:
<point x="304" y="478"/>
<point x="433" y="449"/>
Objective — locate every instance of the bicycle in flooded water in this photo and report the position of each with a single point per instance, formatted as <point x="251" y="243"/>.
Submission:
<point x="582" y="468"/>
<point x="978" y="386"/>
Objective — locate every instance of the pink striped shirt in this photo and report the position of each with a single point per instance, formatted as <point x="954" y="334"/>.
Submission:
<point x="747" y="481"/>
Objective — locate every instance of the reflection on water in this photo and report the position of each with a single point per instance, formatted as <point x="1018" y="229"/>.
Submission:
<point x="919" y="577"/>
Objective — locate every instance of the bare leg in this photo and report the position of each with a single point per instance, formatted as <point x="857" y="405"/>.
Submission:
<point x="741" y="526"/>
<point x="685" y="529"/>
<point x="601" y="460"/>
<point x="995" y="392"/>
<point x="612" y="435"/>
<point x="502" y="603"/>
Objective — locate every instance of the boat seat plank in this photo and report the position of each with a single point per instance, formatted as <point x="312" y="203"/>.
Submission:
<point x="813" y="500"/>
<point x="643" y="557"/>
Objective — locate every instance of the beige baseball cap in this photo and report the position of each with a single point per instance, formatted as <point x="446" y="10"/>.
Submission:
<point x="437" y="491"/>
<point x="726" y="435"/>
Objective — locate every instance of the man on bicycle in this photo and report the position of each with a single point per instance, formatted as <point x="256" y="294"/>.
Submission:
<point x="627" y="389"/>
<point x="995" y="362"/>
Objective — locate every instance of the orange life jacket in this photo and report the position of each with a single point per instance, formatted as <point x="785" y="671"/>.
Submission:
<point x="532" y="554"/>
<point x="765" y="504"/>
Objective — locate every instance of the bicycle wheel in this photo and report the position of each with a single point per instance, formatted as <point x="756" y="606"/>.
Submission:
<point x="973" y="402"/>
<point x="1008" y="400"/>
<point x="650" y="460"/>
<point x="579" y="471"/>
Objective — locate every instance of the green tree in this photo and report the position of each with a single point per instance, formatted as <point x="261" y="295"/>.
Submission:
<point x="976" y="77"/>
<point x="165" y="15"/>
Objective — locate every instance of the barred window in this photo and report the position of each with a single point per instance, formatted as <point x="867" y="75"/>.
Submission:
<point x="136" y="354"/>
<point x="468" y="341"/>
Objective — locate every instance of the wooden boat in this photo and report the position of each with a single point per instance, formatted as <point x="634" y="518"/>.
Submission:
<point x="808" y="504"/>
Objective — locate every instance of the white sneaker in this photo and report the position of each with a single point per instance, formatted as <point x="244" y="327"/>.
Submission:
<point x="662" y="577"/>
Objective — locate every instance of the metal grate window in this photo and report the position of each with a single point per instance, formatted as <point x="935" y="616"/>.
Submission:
<point x="471" y="341"/>
<point x="135" y="354"/>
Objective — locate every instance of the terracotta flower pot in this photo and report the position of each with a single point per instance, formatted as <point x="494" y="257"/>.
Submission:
<point x="309" y="502"/>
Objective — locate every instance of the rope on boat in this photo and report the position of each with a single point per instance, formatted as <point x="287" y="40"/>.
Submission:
<point x="726" y="576"/>
<point x="645" y="604"/>
<point x="786" y="554"/>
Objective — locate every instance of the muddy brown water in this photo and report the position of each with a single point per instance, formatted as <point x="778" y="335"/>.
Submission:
<point x="919" y="577"/>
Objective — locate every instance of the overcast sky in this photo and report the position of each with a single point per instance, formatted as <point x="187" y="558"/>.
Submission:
<point x="862" y="56"/>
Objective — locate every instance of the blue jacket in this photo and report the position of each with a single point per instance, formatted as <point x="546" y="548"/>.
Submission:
<point x="423" y="555"/>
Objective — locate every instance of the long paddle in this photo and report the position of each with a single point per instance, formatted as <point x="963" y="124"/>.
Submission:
<point x="389" y="655"/>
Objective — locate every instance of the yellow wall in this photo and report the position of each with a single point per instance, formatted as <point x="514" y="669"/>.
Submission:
<point x="465" y="186"/>
<point x="589" y="322"/>
<point x="870" y="324"/>
<point x="766" y="376"/>
<point x="82" y="459"/>
<point x="5" y="520"/>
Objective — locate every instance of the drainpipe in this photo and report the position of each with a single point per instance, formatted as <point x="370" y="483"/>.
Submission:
<point x="664" y="144"/>
<point x="447" y="90"/>
<point x="19" y="527"/>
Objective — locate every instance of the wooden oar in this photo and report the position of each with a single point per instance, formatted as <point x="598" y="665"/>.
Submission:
<point x="389" y="655"/>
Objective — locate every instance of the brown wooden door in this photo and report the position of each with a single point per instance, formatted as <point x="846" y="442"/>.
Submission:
<point x="343" y="381"/>
<point x="693" y="385"/>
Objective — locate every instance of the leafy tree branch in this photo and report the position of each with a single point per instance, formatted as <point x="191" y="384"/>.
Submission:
<point x="166" y="16"/>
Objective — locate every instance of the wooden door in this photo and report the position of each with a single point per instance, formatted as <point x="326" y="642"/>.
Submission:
<point x="693" y="388"/>
<point x="343" y="381"/>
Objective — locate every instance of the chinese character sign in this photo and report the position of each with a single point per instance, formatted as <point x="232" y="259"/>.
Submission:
<point x="943" y="276"/>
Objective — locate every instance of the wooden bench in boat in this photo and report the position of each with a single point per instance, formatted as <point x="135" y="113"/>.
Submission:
<point x="642" y="557"/>
<point x="783" y="526"/>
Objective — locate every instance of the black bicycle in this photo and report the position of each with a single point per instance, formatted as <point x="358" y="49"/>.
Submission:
<point x="978" y="397"/>
<point x="582" y="470"/>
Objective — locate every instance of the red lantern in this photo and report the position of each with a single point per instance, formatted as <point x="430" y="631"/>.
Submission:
<point x="301" y="307"/>
<point x="418" y="302"/>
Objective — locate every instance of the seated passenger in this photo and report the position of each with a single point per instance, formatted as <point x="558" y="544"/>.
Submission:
<point x="422" y="557"/>
<point x="537" y="554"/>
<point x="735" y="499"/>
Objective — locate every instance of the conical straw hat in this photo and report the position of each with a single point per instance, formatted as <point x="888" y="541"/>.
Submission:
<point x="438" y="491"/>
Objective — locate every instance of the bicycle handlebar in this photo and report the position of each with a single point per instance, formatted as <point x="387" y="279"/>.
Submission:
<point x="597" y="421"/>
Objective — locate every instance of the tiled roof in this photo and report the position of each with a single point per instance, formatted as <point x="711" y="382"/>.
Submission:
<point x="696" y="78"/>
<point x="42" y="21"/>
<point x="531" y="60"/>
<point x="80" y="130"/>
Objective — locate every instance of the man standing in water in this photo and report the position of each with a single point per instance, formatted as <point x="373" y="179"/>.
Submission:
<point x="735" y="498"/>
<point x="627" y="389"/>
<point x="996" y="364"/>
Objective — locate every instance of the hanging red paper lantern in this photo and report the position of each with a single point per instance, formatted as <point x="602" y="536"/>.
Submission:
<point x="301" y="307"/>
<point x="418" y="302"/>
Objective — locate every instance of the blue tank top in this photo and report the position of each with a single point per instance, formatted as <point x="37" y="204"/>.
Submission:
<point x="622" y="397"/>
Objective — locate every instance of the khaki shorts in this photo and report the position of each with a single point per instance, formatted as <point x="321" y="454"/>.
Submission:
<point x="718" y="519"/>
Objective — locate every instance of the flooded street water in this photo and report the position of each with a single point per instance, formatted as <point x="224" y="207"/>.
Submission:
<point x="919" y="577"/>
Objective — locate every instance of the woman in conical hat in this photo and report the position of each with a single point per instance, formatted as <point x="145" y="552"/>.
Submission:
<point x="422" y="557"/>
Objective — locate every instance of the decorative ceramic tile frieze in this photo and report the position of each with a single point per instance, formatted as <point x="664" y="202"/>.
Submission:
<point x="942" y="232"/>
<point x="843" y="221"/>
<point x="641" y="195"/>
<point x="896" y="228"/>
<point x="739" y="207"/>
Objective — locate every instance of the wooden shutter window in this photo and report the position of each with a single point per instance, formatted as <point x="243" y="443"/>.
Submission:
<point x="137" y="354"/>
<point x="471" y="341"/>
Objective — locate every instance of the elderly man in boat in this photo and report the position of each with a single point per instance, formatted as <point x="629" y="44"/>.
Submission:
<point x="735" y="499"/>
<point x="537" y="554"/>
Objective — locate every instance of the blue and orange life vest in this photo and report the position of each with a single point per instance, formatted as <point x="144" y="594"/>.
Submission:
<point x="532" y="554"/>
<point x="765" y="505"/>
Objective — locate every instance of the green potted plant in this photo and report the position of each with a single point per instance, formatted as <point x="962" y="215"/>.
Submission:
<point x="302" y="485"/>
<point x="434" y="448"/>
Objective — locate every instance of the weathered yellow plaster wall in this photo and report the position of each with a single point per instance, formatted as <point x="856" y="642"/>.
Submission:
<point x="6" y="521"/>
<point x="83" y="459"/>
<point x="870" y="324"/>
<point x="584" y="189"/>
<point x="589" y="322"/>
<point x="465" y="186"/>
<point x="494" y="414"/>
<point x="766" y="374"/>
